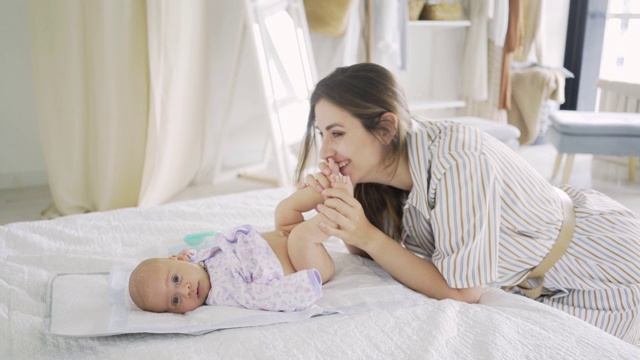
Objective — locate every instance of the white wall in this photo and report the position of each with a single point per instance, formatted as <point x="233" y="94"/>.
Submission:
<point x="21" y="158"/>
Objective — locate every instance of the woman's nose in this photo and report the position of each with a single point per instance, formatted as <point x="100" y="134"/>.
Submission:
<point x="325" y="150"/>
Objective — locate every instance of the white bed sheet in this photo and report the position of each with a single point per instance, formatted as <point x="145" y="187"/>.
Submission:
<point x="502" y="326"/>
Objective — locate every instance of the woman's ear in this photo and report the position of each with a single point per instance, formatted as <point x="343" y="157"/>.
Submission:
<point x="388" y="127"/>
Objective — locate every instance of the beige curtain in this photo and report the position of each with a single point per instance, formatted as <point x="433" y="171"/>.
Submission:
<point x="90" y="71"/>
<point x="122" y="90"/>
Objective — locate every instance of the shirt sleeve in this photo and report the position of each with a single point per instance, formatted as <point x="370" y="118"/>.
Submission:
<point x="466" y="222"/>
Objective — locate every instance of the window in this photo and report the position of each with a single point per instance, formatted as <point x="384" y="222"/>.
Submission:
<point x="620" y="59"/>
<point x="288" y="74"/>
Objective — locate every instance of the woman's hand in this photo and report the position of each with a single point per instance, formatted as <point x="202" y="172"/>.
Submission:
<point x="343" y="209"/>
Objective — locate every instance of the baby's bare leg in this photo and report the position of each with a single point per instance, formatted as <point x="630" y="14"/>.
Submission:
<point x="306" y="250"/>
<point x="304" y="244"/>
<point x="305" y="241"/>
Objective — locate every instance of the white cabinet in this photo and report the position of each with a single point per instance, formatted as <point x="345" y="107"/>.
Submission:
<point x="432" y="77"/>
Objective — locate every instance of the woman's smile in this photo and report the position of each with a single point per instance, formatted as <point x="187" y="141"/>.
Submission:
<point x="342" y="164"/>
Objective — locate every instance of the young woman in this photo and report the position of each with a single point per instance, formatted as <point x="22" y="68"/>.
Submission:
<point x="447" y="209"/>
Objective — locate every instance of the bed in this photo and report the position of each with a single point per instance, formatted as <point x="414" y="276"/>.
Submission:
<point x="386" y="320"/>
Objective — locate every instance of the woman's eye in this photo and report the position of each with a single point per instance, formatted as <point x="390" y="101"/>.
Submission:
<point x="337" y="134"/>
<point x="175" y="279"/>
<point x="175" y="300"/>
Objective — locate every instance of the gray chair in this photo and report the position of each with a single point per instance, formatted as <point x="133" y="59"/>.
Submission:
<point x="598" y="133"/>
<point x="506" y="133"/>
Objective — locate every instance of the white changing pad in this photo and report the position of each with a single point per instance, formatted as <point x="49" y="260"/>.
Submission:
<point x="98" y="304"/>
<point x="82" y="305"/>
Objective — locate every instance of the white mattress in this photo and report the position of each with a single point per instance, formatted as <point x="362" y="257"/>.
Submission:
<point x="502" y="326"/>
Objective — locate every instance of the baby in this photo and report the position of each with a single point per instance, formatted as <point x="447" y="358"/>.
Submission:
<point x="281" y="270"/>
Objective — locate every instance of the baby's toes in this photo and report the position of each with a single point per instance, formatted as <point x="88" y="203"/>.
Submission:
<point x="333" y="166"/>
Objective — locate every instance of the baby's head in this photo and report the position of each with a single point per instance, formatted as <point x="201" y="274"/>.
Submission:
<point x="169" y="285"/>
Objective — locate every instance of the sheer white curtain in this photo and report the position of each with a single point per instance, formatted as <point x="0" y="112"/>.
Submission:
<point x="124" y="93"/>
<point x="179" y="66"/>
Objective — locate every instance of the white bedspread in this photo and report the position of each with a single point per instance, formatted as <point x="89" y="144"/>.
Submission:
<point x="502" y="326"/>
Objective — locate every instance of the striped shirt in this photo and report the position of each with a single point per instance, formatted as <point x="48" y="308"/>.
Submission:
<point x="484" y="216"/>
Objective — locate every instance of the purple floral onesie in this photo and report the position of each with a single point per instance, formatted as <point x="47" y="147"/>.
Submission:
<point x="245" y="272"/>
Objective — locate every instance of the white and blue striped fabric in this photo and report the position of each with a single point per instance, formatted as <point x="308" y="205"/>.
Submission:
<point x="483" y="216"/>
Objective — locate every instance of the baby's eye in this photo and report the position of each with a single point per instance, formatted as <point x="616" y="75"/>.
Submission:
<point x="175" y="300"/>
<point x="175" y="279"/>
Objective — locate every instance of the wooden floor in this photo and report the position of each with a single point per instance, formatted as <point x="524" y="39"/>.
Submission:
<point x="27" y="204"/>
<point x="23" y="204"/>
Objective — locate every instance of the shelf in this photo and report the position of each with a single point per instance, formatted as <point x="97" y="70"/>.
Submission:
<point x="431" y="79"/>
<point x="436" y="105"/>
<point x="439" y="23"/>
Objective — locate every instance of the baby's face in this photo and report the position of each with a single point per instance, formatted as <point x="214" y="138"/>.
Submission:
<point x="175" y="286"/>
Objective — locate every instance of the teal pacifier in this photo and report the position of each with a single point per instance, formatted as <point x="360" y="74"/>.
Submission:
<point x="194" y="240"/>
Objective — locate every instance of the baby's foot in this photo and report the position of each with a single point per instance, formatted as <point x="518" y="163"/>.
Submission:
<point x="340" y="181"/>
<point x="333" y="166"/>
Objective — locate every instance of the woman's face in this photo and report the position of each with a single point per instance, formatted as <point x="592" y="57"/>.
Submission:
<point x="357" y="151"/>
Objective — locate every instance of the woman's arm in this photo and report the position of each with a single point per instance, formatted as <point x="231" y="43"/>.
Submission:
<point x="415" y="272"/>
<point x="406" y="267"/>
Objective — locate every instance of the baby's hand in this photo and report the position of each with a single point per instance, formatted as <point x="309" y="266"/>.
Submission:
<point x="184" y="255"/>
<point x="340" y="181"/>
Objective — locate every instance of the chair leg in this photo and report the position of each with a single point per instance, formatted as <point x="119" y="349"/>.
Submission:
<point x="632" y="169"/>
<point x="556" y="166"/>
<point x="567" y="168"/>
